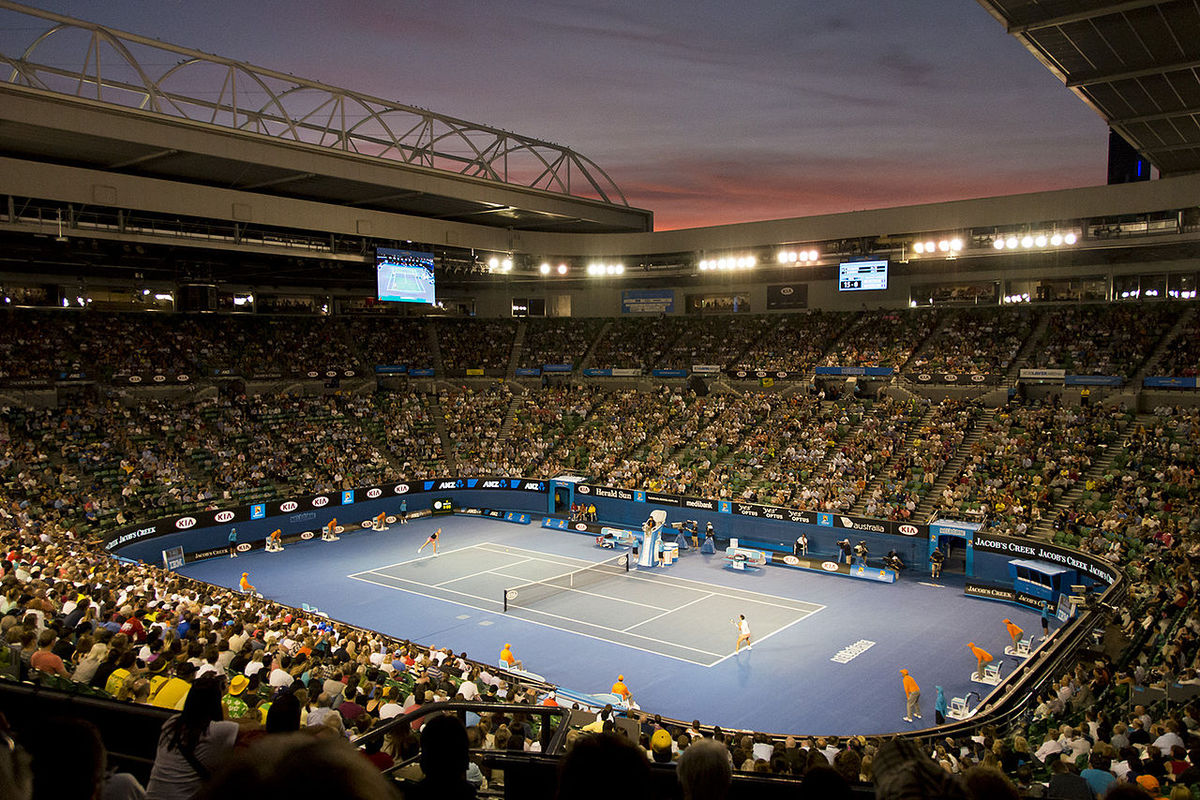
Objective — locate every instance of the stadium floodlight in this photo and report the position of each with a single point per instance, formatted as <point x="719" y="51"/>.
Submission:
<point x="544" y="268"/>
<point x="998" y="244"/>
<point x="493" y="263"/>
<point x="1027" y="241"/>
<point x="1040" y="240"/>
<point x="918" y="247"/>
<point x="956" y="245"/>
<point x="562" y="269"/>
<point x="813" y="255"/>
<point x="620" y="268"/>
<point x="506" y="265"/>
<point x="781" y="257"/>
<point x="1069" y="238"/>
<point x="1011" y="243"/>
<point x="1056" y="239"/>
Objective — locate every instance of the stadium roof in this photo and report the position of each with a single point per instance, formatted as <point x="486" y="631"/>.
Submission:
<point x="1136" y="62"/>
<point x="137" y="106"/>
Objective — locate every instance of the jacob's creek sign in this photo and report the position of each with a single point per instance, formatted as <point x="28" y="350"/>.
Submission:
<point x="1024" y="548"/>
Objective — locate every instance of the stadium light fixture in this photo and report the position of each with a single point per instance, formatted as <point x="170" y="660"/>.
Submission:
<point x="544" y="268"/>
<point x="562" y="269"/>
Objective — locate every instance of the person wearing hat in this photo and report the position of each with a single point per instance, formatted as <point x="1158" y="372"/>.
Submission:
<point x="660" y="747"/>
<point x="507" y="660"/>
<point x="235" y="707"/>
<point x="551" y="700"/>
<point x="233" y="542"/>
<point x="247" y="587"/>
<point x="621" y="690"/>
<point x="912" y="697"/>
<point x="982" y="657"/>
<point x="1014" y="632"/>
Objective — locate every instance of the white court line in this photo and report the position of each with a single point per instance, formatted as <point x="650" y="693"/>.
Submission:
<point x="476" y="574"/>
<point x="604" y="597"/>
<point x="548" y="625"/>
<point x="772" y="633"/>
<point x="414" y="560"/>
<point x="667" y="611"/>
<point x="536" y="555"/>
<point x="699" y="586"/>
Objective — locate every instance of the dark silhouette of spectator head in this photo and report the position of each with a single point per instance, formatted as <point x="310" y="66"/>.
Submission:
<point x="444" y="749"/>
<point x="202" y="707"/>
<point x="903" y="770"/>
<point x="16" y="776"/>
<point x="284" y="714"/>
<point x="825" y="782"/>
<point x="84" y="775"/>
<point x="602" y="767"/>
<point x="989" y="783"/>
<point x="704" y="771"/>
<point x="298" y="766"/>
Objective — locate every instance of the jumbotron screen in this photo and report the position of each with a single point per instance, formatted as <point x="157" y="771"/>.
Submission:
<point x="857" y="276"/>
<point x="404" y="276"/>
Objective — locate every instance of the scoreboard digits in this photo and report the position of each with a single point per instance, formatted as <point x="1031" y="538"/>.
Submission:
<point x="854" y="276"/>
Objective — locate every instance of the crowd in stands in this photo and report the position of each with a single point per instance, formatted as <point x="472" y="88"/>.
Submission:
<point x="715" y="341"/>
<point x="635" y="343"/>
<point x="1025" y="460"/>
<point x="976" y="340"/>
<point x="883" y="339"/>
<point x="795" y="342"/>
<point x="475" y="344"/>
<point x="134" y="632"/>
<point x="1104" y="339"/>
<point x="558" y="340"/>
<point x="1182" y="356"/>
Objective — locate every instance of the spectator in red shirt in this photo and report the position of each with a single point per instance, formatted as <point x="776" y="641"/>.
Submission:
<point x="44" y="659"/>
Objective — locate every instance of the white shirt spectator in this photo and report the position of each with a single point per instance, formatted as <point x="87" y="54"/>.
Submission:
<point x="279" y="678"/>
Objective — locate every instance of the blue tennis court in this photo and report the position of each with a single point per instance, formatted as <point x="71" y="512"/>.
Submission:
<point x="827" y="650"/>
<point x="648" y="611"/>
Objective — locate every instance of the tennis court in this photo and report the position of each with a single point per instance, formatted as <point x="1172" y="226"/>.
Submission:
<point x="674" y="617"/>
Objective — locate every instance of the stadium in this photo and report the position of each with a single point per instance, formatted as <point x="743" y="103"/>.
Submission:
<point x="393" y="428"/>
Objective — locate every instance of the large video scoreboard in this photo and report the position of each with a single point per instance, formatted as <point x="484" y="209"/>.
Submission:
<point x="856" y="276"/>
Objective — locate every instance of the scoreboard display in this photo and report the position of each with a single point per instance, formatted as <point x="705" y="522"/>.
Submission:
<point x="442" y="505"/>
<point x="856" y="276"/>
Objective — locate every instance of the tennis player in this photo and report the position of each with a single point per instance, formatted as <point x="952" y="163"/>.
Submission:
<point x="432" y="540"/>
<point x="743" y="628"/>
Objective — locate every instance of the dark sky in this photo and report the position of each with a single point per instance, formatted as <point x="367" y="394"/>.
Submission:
<point x="704" y="112"/>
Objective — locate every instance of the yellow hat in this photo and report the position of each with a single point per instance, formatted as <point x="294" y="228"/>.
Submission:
<point x="620" y="677"/>
<point x="661" y="740"/>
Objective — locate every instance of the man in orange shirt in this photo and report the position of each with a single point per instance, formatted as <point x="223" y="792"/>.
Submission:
<point x="550" y="700"/>
<point x="247" y="587"/>
<point x="621" y="690"/>
<point x="982" y="657"/>
<point x="912" y="697"/>
<point x="1014" y="631"/>
<point x="507" y="660"/>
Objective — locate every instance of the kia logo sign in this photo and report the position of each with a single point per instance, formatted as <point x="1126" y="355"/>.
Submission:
<point x="159" y="378"/>
<point x="243" y="547"/>
<point x="182" y="378"/>
<point x="320" y="501"/>
<point x="349" y="373"/>
<point x="924" y="376"/>
<point x="290" y="505"/>
<point x="224" y="516"/>
<point x="829" y="566"/>
<point x="312" y="373"/>
<point x="979" y="378"/>
<point x="579" y="526"/>
<point x="373" y="493"/>
<point x="583" y="490"/>
<point x="791" y="560"/>
<point x="135" y="378"/>
<point x="183" y="523"/>
<point x="908" y="530"/>
<point x="951" y="378"/>
<point x="306" y="535"/>
<point x="786" y="291"/>
<point x="401" y="488"/>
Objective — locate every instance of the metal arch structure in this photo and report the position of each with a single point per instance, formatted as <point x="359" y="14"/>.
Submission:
<point x="127" y="70"/>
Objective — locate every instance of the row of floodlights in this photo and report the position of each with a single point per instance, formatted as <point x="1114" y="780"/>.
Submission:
<point x="731" y="263"/>
<point x="597" y="268"/>
<point x="1029" y="241"/>
<point x="942" y="246"/>
<point x="496" y="264"/>
<point x="546" y="269"/>
<point x="796" y="256"/>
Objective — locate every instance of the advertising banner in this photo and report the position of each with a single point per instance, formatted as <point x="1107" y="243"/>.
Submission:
<point x="647" y="301"/>
<point x="963" y="378"/>
<point x="557" y="367"/>
<point x="1170" y="382"/>
<point x="1094" y="380"/>
<point x="787" y="295"/>
<point x="1043" y="374"/>
<point x="527" y="372"/>
<point x="874" y="372"/>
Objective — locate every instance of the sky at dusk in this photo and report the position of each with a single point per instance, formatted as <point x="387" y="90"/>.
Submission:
<point x="703" y="112"/>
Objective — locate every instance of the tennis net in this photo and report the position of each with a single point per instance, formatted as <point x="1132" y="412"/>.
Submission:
<point x="527" y="594"/>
